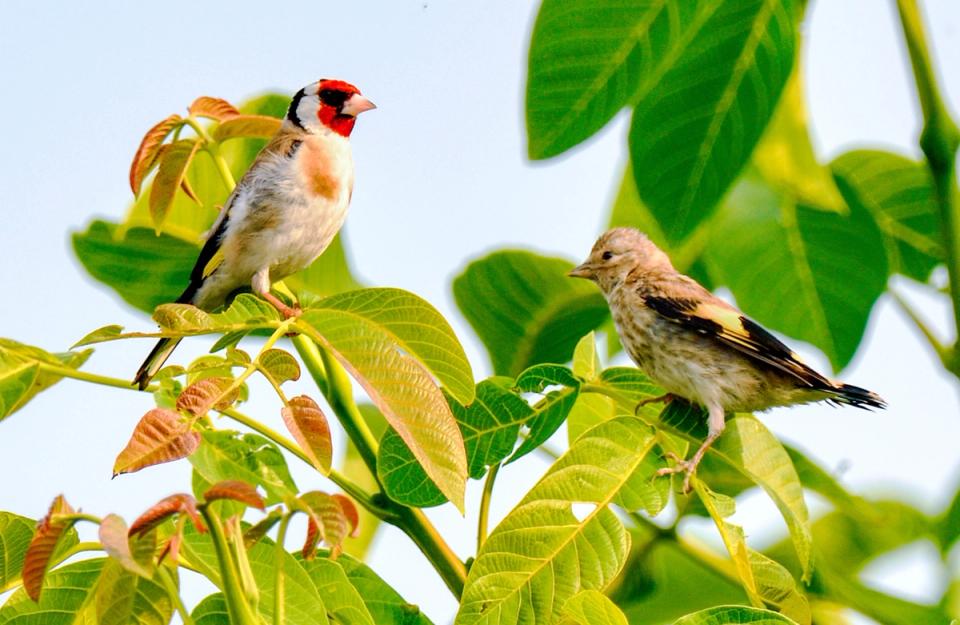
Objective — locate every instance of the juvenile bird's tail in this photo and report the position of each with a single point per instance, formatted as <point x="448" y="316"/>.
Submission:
<point x="154" y="361"/>
<point x="856" y="396"/>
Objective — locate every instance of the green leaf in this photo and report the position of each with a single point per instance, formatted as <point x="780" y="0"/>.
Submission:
<point x="390" y="341"/>
<point x="545" y="551"/>
<point x="749" y="447"/>
<point x="899" y="194"/>
<point x="144" y="269"/>
<point x="415" y="326"/>
<point x="228" y="455"/>
<point x="490" y="427"/>
<point x="810" y="274"/>
<point x="734" y="615"/>
<point x="785" y="158"/>
<point x="765" y="580"/>
<point x="212" y="610"/>
<point x="948" y="524"/>
<point x="23" y="373"/>
<point x="695" y="126"/>
<point x="525" y="309"/>
<point x="587" y="62"/>
<point x="125" y="598"/>
<point x="303" y="604"/>
<point x="590" y="607"/>
<point x="66" y="598"/>
<point x="385" y="604"/>
<point x="342" y="600"/>
<point x="590" y="409"/>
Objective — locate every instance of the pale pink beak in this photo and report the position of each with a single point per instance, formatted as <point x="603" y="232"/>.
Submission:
<point x="356" y="105"/>
<point x="583" y="271"/>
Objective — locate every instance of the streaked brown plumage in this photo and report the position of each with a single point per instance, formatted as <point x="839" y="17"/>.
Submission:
<point x="695" y="345"/>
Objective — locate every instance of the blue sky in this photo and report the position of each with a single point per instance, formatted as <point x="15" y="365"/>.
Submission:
<point x="441" y="178"/>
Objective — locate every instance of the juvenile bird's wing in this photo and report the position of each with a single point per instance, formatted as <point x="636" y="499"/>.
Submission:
<point x="687" y="303"/>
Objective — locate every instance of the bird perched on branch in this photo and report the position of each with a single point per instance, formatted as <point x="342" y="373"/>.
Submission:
<point x="285" y="210"/>
<point x="698" y="347"/>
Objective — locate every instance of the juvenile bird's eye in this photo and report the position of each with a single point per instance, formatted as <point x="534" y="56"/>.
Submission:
<point x="607" y="255"/>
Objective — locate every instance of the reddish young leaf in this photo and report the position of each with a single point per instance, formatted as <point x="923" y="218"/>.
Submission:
<point x="173" y="168"/>
<point x="279" y="365"/>
<point x="350" y="512"/>
<point x="247" y="126"/>
<point x="37" y="559"/>
<point x="149" y="150"/>
<point x="161" y="436"/>
<point x="309" y="427"/>
<point x="237" y="491"/>
<point x="202" y="395"/>
<point x="213" y="108"/>
<point x="174" y="504"/>
<point x="116" y="542"/>
<point x="327" y="522"/>
<point x="188" y="191"/>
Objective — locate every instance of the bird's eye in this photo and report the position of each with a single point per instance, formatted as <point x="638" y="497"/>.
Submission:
<point x="607" y="255"/>
<point x="332" y="97"/>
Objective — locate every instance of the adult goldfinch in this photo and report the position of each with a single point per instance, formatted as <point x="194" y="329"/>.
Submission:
<point x="284" y="211"/>
<point x="695" y="345"/>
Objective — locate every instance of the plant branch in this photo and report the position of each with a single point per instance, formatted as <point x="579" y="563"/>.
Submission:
<point x="233" y="591"/>
<point x="484" y="515"/>
<point x="939" y="140"/>
<point x="166" y="576"/>
<point x="941" y="350"/>
<point x="278" y="593"/>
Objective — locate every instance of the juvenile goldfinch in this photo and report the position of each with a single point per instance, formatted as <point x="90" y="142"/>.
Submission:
<point x="695" y="345"/>
<point x="284" y="211"/>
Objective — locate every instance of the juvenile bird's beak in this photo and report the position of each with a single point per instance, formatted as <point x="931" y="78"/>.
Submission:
<point x="583" y="271"/>
<point x="357" y="104"/>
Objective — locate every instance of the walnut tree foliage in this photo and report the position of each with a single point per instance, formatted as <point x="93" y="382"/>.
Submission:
<point x="721" y="174"/>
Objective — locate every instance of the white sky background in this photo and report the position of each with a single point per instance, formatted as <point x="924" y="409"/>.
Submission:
<point x="441" y="178"/>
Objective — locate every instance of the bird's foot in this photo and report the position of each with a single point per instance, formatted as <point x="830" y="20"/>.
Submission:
<point x="665" y="399"/>
<point x="680" y="465"/>
<point x="288" y="312"/>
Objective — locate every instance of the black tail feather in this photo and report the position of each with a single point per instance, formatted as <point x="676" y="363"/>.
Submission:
<point x="856" y="396"/>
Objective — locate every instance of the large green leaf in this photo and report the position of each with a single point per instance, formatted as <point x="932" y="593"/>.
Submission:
<point x="765" y="581"/>
<point x="525" y="309"/>
<point x="212" y="610"/>
<point x="546" y="550"/>
<point x="26" y="370"/>
<point x="125" y="598"/>
<point x="343" y="602"/>
<point x="15" y="535"/>
<point x="67" y="597"/>
<point x="750" y="448"/>
<point x="811" y="274"/>
<point x="251" y="458"/>
<point x="588" y="60"/>
<point x="490" y="427"/>
<point x="415" y="327"/>
<point x="734" y="615"/>
<point x="592" y="607"/>
<point x="695" y="127"/>
<point x="899" y="193"/>
<point x="377" y="334"/>
<point x="384" y="603"/>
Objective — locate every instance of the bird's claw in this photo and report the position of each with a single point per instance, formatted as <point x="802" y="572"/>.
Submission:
<point x="680" y="465"/>
<point x="666" y="398"/>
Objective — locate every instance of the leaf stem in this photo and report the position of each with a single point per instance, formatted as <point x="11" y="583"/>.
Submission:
<point x="237" y="606"/>
<point x="166" y="576"/>
<point x="939" y="140"/>
<point x="85" y="376"/>
<point x="278" y="593"/>
<point x="484" y="515"/>
<point x="941" y="350"/>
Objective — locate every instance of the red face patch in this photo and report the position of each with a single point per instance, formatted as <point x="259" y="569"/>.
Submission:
<point x="332" y="95"/>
